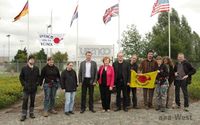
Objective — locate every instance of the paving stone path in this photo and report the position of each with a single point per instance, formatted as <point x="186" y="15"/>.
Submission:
<point x="11" y="115"/>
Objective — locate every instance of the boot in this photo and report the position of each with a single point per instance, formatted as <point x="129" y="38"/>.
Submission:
<point x="23" y="118"/>
<point x="31" y="114"/>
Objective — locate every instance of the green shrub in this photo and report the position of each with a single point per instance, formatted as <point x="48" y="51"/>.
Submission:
<point x="194" y="87"/>
<point x="10" y="90"/>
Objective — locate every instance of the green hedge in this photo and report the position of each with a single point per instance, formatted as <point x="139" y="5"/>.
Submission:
<point x="194" y="87"/>
<point x="10" y="90"/>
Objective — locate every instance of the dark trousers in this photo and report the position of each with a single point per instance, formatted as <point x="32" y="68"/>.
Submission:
<point x="134" y="96"/>
<point x="121" y="87"/>
<point x="183" y="85"/>
<point x="148" y="93"/>
<point x="26" y="96"/>
<point x="105" y="96"/>
<point x="86" y="85"/>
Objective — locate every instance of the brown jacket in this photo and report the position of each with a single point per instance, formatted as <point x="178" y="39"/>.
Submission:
<point x="148" y="66"/>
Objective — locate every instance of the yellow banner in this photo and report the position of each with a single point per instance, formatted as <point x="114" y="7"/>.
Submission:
<point x="146" y="80"/>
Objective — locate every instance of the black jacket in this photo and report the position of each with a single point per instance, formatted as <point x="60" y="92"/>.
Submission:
<point x="163" y="74"/>
<point x="134" y="67"/>
<point x="125" y="72"/>
<point x="29" y="78"/>
<point x="49" y="74"/>
<point x="69" y="80"/>
<point x="188" y="69"/>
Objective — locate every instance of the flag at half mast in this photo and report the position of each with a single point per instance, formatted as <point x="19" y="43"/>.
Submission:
<point x="111" y="12"/>
<point x="75" y="16"/>
<point x="160" y="6"/>
<point x="24" y="11"/>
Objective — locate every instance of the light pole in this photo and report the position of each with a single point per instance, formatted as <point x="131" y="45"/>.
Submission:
<point x="8" y="46"/>
<point x="48" y="26"/>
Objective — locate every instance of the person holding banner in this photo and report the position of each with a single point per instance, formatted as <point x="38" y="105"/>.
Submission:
<point x="168" y="62"/>
<point x="146" y="66"/>
<point x="122" y="79"/>
<point x="50" y="76"/>
<point x="161" y="85"/>
<point x="106" y="82"/>
<point x="133" y="66"/>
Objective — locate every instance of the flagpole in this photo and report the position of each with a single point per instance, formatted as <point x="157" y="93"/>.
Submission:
<point x="28" y="51"/>
<point x="51" y="22"/>
<point x="77" y="40"/>
<point x="119" y="41"/>
<point x="169" y="34"/>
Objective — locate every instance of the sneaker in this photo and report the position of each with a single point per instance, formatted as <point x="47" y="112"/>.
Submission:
<point x="23" y="118"/>
<point x="162" y="109"/>
<point x="53" y="111"/>
<point x="31" y="115"/>
<point x="157" y="108"/>
<point x="71" y="112"/>
<point x="67" y="113"/>
<point x="103" y="111"/>
<point x="177" y="107"/>
<point x="45" y="114"/>
<point x="108" y="110"/>
<point x="186" y="109"/>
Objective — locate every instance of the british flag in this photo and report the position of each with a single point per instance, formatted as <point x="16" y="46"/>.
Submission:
<point x="111" y="12"/>
<point x="160" y="6"/>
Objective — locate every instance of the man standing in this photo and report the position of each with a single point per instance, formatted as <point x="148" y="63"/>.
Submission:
<point x="122" y="79"/>
<point x="87" y="76"/>
<point x="29" y="78"/>
<point x="133" y="66"/>
<point x="183" y="76"/>
<point x="146" y="66"/>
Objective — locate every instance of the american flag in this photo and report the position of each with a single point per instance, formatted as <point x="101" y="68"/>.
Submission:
<point x="111" y="12"/>
<point x="160" y="6"/>
<point x="75" y="15"/>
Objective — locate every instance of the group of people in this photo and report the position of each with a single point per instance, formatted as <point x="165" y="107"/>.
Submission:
<point x="117" y="75"/>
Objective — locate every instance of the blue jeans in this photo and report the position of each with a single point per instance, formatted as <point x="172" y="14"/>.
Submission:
<point x="49" y="97"/>
<point x="69" y="101"/>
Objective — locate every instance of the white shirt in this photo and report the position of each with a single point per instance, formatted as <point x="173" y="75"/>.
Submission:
<point x="88" y="70"/>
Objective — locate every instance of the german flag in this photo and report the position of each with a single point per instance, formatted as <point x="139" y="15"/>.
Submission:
<point x="22" y="13"/>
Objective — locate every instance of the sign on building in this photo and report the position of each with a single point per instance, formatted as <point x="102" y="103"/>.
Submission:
<point x="98" y="51"/>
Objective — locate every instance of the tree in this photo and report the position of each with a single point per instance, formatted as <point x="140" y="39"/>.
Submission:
<point x="133" y="43"/>
<point x="180" y="35"/>
<point x="21" y="56"/>
<point x="196" y="47"/>
<point x="59" y="57"/>
<point x="40" y="55"/>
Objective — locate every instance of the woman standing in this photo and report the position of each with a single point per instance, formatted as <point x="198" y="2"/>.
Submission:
<point x="51" y="77"/>
<point x="168" y="62"/>
<point x="106" y="82"/>
<point x="161" y="84"/>
<point x="69" y="84"/>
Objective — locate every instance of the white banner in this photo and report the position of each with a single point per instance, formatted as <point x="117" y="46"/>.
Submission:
<point x="51" y="40"/>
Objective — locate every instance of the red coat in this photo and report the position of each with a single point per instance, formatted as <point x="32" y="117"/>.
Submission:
<point x="109" y="76"/>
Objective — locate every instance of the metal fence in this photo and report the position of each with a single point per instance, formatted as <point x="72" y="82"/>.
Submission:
<point x="15" y="67"/>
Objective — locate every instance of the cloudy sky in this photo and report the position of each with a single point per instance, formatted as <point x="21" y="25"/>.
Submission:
<point x="92" y="30"/>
